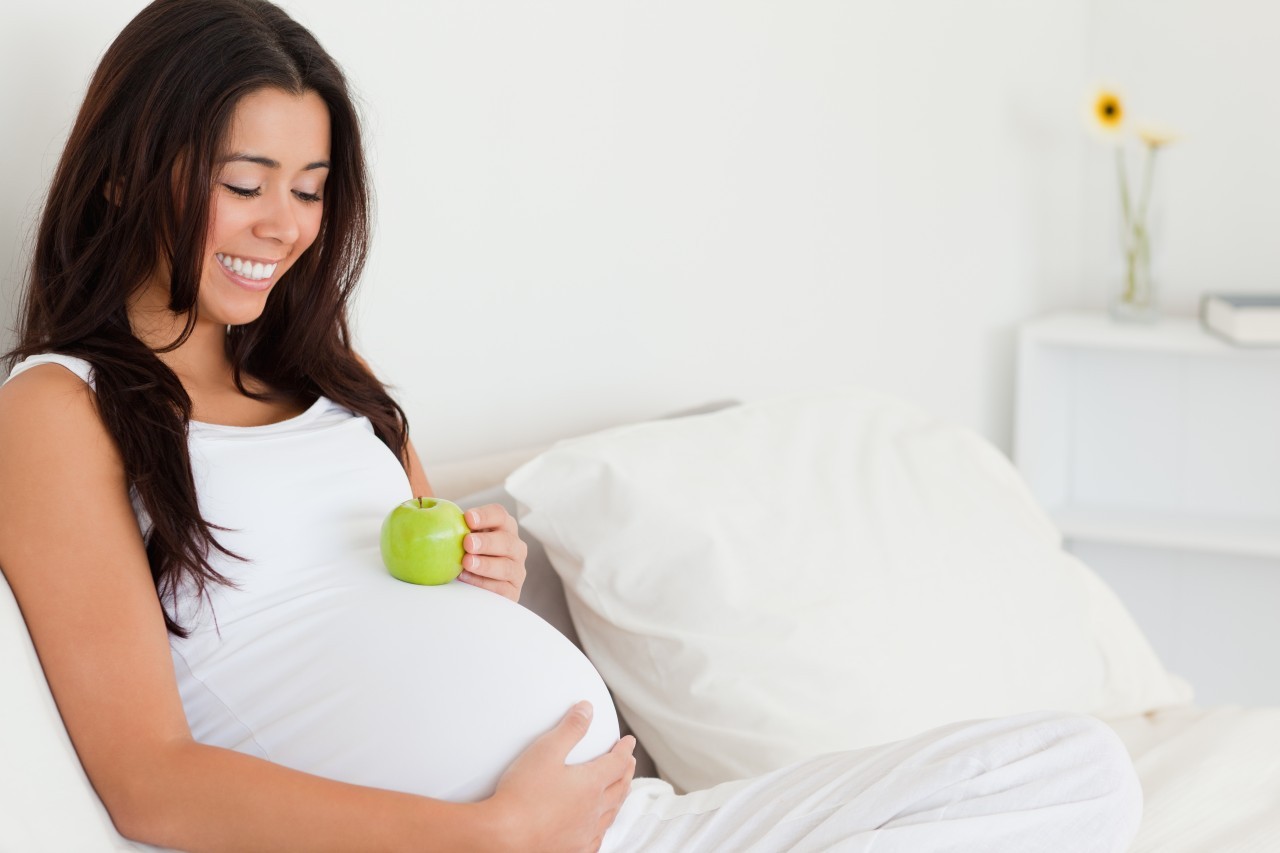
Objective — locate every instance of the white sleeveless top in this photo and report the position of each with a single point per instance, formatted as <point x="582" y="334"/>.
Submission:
<point x="322" y="661"/>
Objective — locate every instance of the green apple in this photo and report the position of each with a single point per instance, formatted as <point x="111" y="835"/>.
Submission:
<point x="422" y="541"/>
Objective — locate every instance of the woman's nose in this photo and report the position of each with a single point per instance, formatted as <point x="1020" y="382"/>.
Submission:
<point x="279" y="220"/>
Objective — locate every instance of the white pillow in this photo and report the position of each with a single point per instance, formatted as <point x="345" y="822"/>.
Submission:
<point x="46" y="801"/>
<point x="818" y="572"/>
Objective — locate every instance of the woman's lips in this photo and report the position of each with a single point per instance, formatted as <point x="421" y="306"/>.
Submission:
<point x="256" y="285"/>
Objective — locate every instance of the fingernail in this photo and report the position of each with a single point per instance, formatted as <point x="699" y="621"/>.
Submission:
<point x="473" y="542"/>
<point x="473" y="518"/>
<point x="583" y="707"/>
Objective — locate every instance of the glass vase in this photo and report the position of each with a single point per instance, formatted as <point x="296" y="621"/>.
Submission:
<point x="1135" y="301"/>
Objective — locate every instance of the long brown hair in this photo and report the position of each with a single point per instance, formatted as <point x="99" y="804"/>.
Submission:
<point x="130" y="196"/>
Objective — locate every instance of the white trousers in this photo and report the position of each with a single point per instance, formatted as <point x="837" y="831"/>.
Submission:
<point x="1031" y="783"/>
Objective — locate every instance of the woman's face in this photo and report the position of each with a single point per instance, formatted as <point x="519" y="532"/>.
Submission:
<point x="266" y="201"/>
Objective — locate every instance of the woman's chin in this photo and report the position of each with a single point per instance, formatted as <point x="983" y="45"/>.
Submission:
<point x="237" y="315"/>
<point x="244" y="318"/>
<point x="240" y="300"/>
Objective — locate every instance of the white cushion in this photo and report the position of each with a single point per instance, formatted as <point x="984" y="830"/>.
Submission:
<point x="818" y="572"/>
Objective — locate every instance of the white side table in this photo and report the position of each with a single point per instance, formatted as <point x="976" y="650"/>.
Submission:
<point x="1156" y="449"/>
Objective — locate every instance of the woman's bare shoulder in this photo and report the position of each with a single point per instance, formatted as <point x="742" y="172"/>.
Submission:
<point x="45" y="393"/>
<point x="53" y="445"/>
<point x="47" y="412"/>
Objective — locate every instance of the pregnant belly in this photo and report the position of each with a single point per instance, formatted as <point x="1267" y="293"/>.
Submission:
<point x="430" y="690"/>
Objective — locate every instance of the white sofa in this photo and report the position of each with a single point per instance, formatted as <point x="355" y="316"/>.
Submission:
<point x="761" y="581"/>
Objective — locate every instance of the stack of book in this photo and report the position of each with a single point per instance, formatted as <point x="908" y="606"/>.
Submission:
<point x="1247" y="319"/>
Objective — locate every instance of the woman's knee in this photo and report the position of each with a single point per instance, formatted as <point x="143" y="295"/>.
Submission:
<point x="1103" y="769"/>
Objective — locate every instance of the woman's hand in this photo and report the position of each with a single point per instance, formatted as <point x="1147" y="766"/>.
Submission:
<point x="495" y="553"/>
<point x="545" y="805"/>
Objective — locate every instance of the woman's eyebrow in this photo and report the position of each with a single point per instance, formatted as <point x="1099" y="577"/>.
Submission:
<point x="269" y="163"/>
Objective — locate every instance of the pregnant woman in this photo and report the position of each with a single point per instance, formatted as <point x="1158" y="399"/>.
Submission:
<point x="194" y="466"/>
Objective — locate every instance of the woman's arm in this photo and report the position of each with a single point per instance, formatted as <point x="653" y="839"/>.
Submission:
<point x="417" y="476"/>
<point x="495" y="552"/>
<point x="71" y="550"/>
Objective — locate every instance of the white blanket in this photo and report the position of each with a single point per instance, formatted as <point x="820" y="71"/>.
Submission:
<point x="1210" y="778"/>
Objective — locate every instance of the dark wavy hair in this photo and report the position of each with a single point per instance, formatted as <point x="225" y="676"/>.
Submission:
<point x="154" y="119"/>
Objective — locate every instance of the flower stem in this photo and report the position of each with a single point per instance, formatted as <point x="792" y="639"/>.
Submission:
<point x="1124" y="191"/>
<point x="1136" y="241"/>
<point x="1149" y="167"/>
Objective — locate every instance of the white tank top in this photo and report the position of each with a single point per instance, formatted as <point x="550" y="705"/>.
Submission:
<point x="323" y="662"/>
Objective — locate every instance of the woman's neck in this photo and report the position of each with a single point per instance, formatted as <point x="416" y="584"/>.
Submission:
<point x="201" y="360"/>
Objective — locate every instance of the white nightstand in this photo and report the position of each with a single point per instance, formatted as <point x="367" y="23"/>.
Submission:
<point x="1156" y="449"/>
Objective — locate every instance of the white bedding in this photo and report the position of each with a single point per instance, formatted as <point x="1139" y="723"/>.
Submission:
<point x="856" y="583"/>
<point x="1210" y="778"/>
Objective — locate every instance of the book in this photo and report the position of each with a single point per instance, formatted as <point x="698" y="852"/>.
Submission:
<point x="1249" y="319"/>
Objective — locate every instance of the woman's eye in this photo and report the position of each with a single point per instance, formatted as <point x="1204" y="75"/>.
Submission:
<point x="254" y="192"/>
<point x="244" y="192"/>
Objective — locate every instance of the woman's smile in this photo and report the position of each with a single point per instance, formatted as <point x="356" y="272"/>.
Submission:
<point x="249" y="273"/>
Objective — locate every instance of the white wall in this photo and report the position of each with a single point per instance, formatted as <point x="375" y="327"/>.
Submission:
<point x="593" y="211"/>
<point x="602" y="211"/>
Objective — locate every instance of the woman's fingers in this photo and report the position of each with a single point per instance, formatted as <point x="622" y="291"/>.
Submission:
<point x="616" y="793"/>
<point x="628" y="774"/>
<point x="496" y="574"/>
<point x="493" y="568"/>
<point x="617" y="764"/>
<point x="566" y="806"/>
<point x="495" y="554"/>
<point x="499" y="543"/>
<point x="572" y="728"/>
<point x="506" y="589"/>
<point x="490" y="517"/>
<point x="619" y="786"/>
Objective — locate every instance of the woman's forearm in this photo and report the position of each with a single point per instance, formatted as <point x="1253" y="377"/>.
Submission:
<point x="207" y="798"/>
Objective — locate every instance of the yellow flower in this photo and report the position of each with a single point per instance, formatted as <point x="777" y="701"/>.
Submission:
<point x="1108" y="111"/>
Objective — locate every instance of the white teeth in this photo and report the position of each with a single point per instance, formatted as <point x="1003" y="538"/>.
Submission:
<point x="248" y="269"/>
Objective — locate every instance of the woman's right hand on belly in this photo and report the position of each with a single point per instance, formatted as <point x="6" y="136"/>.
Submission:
<point x="546" y="805"/>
